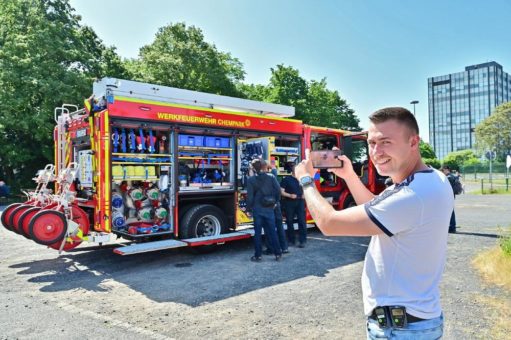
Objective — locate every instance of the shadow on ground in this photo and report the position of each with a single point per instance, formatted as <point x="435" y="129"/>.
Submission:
<point x="192" y="279"/>
<point x="477" y="234"/>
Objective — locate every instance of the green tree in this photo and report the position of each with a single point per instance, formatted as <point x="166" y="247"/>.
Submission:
<point x="287" y="87"/>
<point x="46" y="59"/>
<point x="327" y="108"/>
<point x="455" y="160"/>
<point x="426" y="150"/>
<point x="494" y="132"/>
<point x="314" y="103"/>
<point x="179" y="57"/>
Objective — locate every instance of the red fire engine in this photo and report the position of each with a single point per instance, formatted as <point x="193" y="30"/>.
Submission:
<point x="167" y="167"/>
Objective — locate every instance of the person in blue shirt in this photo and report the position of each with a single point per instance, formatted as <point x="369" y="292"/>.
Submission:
<point x="4" y="189"/>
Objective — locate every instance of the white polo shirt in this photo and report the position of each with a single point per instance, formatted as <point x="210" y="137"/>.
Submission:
<point x="404" y="265"/>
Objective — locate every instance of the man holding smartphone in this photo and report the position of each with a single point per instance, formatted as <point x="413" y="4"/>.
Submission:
<point x="408" y="224"/>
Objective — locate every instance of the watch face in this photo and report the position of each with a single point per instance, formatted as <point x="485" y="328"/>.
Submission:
<point x="306" y="180"/>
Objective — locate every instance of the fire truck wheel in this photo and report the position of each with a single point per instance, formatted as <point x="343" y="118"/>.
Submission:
<point x="349" y="202"/>
<point x="47" y="227"/>
<point x="6" y="214"/>
<point x="25" y="220"/>
<point x="201" y="221"/>
<point x="82" y="218"/>
<point x="15" y="216"/>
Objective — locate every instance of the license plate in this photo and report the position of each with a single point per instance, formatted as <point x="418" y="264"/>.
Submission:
<point x="81" y="133"/>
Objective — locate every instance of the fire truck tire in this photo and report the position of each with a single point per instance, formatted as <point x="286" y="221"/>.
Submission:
<point x="47" y="227"/>
<point x="201" y="221"/>
<point x="6" y="214"/>
<point x="15" y="216"/>
<point x="348" y="202"/>
<point x="24" y="220"/>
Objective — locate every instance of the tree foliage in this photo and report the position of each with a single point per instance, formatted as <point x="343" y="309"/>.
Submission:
<point x="46" y="59"/>
<point x="179" y="57"/>
<point x="494" y="132"/>
<point x="314" y="103"/>
<point x="457" y="159"/>
<point x="426" y="150"/>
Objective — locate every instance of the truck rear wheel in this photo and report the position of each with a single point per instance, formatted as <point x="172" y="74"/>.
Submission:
<point x="202" y="221"/>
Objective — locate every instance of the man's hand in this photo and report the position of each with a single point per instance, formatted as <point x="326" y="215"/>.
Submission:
<point x="347" y="167"/>
<point x="304" y="168"/>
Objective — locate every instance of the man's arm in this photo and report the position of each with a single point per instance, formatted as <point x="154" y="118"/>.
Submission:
<point x="348" y="222"/>
<point x="359" y="191"/>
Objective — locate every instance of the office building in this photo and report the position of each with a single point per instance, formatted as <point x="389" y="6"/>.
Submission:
<point x="459" y="101"/>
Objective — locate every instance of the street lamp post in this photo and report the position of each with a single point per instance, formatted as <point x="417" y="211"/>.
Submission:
<point x="413" y="102"/>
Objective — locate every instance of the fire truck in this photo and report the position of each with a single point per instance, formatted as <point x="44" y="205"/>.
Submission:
<point x="166" y="168"/>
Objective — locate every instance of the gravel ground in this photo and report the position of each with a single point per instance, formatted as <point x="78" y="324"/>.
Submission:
<point x="314" y="293"/>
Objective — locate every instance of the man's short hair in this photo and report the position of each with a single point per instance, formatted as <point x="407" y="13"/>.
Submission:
<point x="258" y="164"/>
<point x="400" y="114"/>
<point x="445" y="167"/>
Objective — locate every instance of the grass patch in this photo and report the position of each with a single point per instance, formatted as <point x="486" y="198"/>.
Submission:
<point x="495" y="264"/>
<point x="505" y="245"/>
<point x="491" y="192"/>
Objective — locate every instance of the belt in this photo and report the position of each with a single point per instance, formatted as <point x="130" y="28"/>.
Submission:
<point x="409" y="318"/>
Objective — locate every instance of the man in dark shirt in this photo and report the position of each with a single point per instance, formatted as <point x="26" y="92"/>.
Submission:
<point x="451" y="177"/>
<point x="294" y="205"/>
<point x="259" y="188"/>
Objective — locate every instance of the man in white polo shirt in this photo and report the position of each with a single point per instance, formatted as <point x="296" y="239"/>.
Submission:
<point x="408" y="224"/>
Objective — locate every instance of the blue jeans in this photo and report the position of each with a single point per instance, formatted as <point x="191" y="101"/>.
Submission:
<point x="265" y="219"/>
<point x="296" y="208"/>
<point x="422" y="330"/>
<point x="281" y="235"/>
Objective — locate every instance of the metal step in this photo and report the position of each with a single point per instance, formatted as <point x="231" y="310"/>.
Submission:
<point x="202" y="241"/>
<point x="149" y="246"/>
<point x="190" y="242"/>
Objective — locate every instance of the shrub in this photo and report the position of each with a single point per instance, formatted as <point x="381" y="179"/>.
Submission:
<point x="505" y="245"/>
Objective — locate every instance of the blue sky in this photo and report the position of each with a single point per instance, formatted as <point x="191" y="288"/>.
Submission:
<point x="375" y="53"/>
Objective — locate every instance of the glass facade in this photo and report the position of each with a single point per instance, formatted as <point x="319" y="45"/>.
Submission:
<point x="459" y="101"/>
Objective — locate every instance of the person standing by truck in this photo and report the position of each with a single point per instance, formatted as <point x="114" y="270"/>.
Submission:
<point x="262" y="195"/>
<point x="294" y="205"/>
<point x="456" y="189"/>
<point x="407" y="223"/>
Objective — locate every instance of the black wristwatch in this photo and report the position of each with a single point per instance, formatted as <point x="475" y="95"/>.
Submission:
<point x="305" y="181"/>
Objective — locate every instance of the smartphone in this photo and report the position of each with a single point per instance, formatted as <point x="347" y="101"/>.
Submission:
<point x="326" y="159"/>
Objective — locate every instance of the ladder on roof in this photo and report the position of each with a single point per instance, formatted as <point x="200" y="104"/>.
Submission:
<point x="112" y="87"/>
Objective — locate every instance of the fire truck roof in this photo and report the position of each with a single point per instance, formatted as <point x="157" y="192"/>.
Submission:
<point x="145" y="91"/>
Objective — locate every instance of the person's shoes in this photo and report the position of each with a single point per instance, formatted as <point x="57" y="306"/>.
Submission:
<point x="267" y="252"/>
<point x="278" y="257"/>
<point x="301" y="245"/>
<point x="285" y="251"/>
<point x="256" y="259"/>
<point x="452" y="230"/>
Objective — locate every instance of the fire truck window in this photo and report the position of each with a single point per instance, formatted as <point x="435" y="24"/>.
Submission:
<point x="360" y="160"/>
